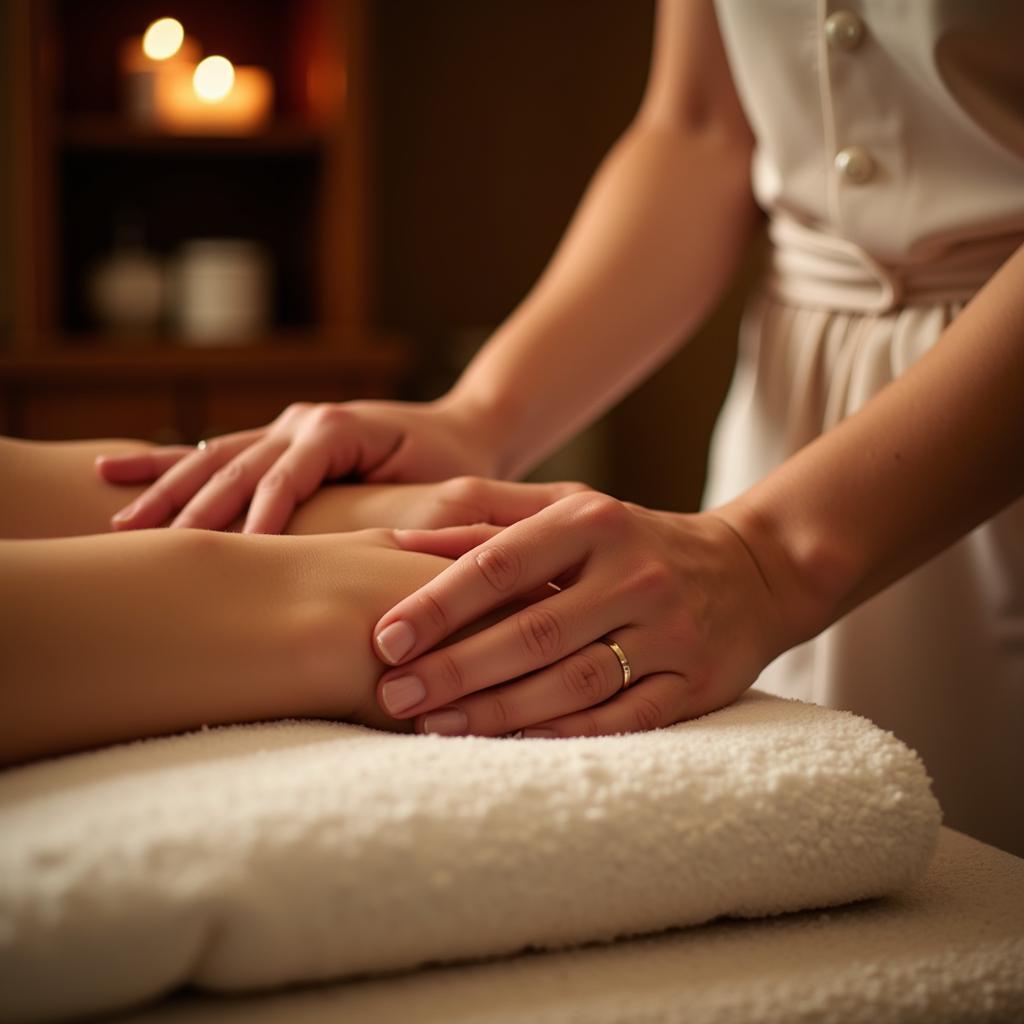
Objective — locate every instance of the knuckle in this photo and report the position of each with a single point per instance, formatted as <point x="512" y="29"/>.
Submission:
<point x="647" y="714"/>
<point x="461" y="501"/>
<point x="434" y="612"/>
<point x="574" y="487"/>
<point x="501" y="565"/>
<point x="462" y="488"/>
<point x="540" y="632"/>
<point x="603" y="512"/>
<point x="232" y="472"/>
<point x="330" y="417"/>
<point x="275" y="482"/>
<point x="583" y="679"/>
<point x="501" y="713"/>
<point x="295" y="410"/>
<point x="695" y="685"/>
<point x="449" y="676"/>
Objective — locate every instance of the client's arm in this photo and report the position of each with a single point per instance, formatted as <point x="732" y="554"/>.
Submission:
<point x="104" y="639"/>
<point x="51" y="489"/>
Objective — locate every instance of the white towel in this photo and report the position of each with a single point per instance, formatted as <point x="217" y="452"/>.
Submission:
<point x="947" y="950"/>
<point x="253" y="856"/>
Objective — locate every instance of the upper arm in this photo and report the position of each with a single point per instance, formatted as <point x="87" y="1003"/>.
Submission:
<point x="689" y="84"/>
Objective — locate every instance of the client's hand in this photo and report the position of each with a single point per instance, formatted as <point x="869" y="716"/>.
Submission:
<point x="680" y="596"/>
<point x="275" y="468"/>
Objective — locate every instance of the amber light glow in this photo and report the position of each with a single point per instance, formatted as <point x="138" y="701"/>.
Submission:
<point x="163" y="39"/>
<point x="213" y="79"/>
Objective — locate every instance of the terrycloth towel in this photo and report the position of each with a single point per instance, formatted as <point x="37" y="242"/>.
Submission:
<point x="947" y="950"/>
<point x="248" y="857"/>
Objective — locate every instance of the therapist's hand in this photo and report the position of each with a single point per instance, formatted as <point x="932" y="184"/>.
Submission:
<point x="275" y="468"/>
<point x="681" y="595"/>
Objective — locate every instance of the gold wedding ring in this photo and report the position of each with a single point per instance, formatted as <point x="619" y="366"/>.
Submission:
<point x="627" y="672"/>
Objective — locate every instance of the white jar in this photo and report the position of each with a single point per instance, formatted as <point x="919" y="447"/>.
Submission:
<point x="223" y="292"/>
<point x="126" y="291"/>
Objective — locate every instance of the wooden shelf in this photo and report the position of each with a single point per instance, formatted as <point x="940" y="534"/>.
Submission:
<point x="384" y="355"/>
<point x="85" y="176"/>
<point x="174" y="393"/>
<point x="114" y="135"/>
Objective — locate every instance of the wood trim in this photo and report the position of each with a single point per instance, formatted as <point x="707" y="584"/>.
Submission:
<point x="347" y="257"/>
<point x="29" y="177"/>
<point x="379" y="355"/>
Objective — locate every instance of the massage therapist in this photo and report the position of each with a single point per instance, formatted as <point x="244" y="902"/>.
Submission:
<point x="875" y="421"/>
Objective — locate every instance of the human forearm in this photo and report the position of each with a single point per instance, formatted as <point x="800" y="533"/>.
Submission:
<point x="656" y="239"/>
<point x="652" y="247"/>
<point x="110" y="638"/>
<point x="104" y="639"/>
<point x="52" y="490"/>
<point x="933" y="455"/>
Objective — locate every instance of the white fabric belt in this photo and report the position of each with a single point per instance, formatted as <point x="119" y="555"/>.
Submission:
<point x="812" y="268"/>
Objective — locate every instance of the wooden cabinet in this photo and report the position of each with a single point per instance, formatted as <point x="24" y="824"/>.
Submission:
<point x="299" y="189"/>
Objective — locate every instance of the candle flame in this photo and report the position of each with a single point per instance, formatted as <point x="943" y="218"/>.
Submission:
<point x="213" y="79"/>
<point x="163" y="39"/>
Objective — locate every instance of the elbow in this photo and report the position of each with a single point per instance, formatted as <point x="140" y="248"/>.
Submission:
<point x="714" y="148"/>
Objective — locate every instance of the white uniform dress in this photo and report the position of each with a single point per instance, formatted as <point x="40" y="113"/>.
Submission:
<point x="890" y="157"/>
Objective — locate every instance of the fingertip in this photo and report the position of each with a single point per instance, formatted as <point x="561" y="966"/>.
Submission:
<point x="263" y="525"/>
<point x="395" y="641"/>
<point x="538" y="734"/>
<point x="122" y="518"/>
<point x="105" y="466"/>
<point x="125" y="469"/>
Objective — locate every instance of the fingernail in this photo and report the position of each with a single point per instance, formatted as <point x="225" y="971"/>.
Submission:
<point x="124" y="514"/>
<point x="395" y="641"/>
<point x="450" y="722"/>
<point x="401" y="694"/>
<point x="539" y="734"/>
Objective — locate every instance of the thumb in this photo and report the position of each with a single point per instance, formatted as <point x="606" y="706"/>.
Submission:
<point x="451" y="542"/>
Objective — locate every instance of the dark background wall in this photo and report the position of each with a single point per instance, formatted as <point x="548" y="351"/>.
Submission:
<point x="6" y="156"/>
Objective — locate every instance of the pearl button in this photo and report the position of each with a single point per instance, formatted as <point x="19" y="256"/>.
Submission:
<point x="855" y="164"/>
<point x="844" y="30"/>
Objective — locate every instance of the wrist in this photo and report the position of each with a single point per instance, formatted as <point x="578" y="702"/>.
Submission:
<point x="487" y="419"/>
<point x="806" y="569"/>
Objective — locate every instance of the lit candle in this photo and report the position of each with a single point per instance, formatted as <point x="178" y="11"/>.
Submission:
<point x="162" y="49"/>
<point x="215" y="98"/>
<point x="163" y="39"/>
